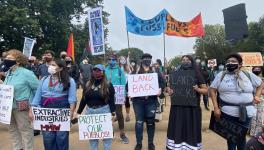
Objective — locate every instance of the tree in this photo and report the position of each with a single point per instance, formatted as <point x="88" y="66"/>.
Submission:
<point x="135" y="53"/>
<point x="49" y="21"/>
<point x="175" y="61"/>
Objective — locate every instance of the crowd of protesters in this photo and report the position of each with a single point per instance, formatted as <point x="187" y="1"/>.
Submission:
<point x="52" y="82"/>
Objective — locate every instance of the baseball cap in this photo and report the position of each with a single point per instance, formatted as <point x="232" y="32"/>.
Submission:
<point x="99" y="66"/>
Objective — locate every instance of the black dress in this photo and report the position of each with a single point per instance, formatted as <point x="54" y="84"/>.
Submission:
<point x="184" y="128"/>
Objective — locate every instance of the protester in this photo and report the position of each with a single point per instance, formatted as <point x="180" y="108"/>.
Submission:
<point x="32" y="64"/>
<point x="25" y="84"/>
<point x="256" y="122"/>
<point x="206" y="76"/>
<point x="2" y="67"/>
<point x="124" y="64"/>
<point x="256" y="142"/>
<point x="85" y="72"/>
<point x="145" y="107"/>
<point x="72" y="69"/>
<point x="116" y="76"/>
<point x="235" y="88"/>
<point x="99" y="98"/>
<point x="58" y="90"/>
<point x="43" y="69"/>
<point x="63" y="55"/>
<point x="184" y="128"/>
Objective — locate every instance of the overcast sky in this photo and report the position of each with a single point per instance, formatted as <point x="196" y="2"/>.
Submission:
<point x="182" y="10"/>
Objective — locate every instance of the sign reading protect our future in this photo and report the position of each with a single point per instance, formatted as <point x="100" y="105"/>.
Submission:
<point x="251" y="58"/>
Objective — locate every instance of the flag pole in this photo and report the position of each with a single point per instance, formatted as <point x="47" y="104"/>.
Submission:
<point x="164" y="55"/>
<point x="128" y="45"/>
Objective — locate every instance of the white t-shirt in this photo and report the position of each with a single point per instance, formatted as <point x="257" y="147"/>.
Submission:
<point x="236" y="90"/>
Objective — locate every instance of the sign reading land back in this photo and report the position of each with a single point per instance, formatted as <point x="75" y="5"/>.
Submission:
<point x="182" y="82"/>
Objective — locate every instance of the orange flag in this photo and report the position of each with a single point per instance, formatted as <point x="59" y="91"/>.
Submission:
<point x="70" y="48"/>
<point x="193" y="28"/>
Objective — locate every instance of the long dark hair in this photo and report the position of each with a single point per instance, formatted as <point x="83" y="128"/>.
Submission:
<point x="63" y="74"/>
<point x="194" y="66"/>
<point x="104" y="86"/>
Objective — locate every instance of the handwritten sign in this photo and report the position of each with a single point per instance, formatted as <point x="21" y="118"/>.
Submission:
<point x="6" y="103"/>
<point x="252" y="59"/>
<point x="212" y="63"/>
<point x="150" y="27"/>
<point x="95" y="19"/>
<point x="182" y="82"/>
<point x="50" y="119"/>
<point x="119" y="94"/>
<point x="95" y="126"/>
<point x="227" y="129"/>
<point x="143" y="85"/>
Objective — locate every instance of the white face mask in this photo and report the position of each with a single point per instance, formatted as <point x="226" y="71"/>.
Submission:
<point x="221" y="67"/>
<point x="52" y="70"/>
<point x="133" y="64"/>
<point x="123" y="61"/>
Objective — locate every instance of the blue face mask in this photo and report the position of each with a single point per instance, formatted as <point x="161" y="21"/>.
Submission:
<point x="112" y="63"/>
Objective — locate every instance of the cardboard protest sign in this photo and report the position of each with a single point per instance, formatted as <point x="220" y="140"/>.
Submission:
<point x="182" y="82"/>
<point x="211" y="63"/>
<point x="150" y="27"/>
<point x="28" y="46"/>
<point x="51" y="119"/>
<point x="95" y="126"/>
<point x="96" y="31"/>
<point x="143" y="85"/>
<point x="6" y="103"/>
<point x="251" y="58"/>
<point x="120" y="94"/>
<point x="228" y="129"/>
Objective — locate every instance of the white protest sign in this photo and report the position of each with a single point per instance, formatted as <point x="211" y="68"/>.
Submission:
<point x="143" y="85"/>
<point x="28" y="46"/>
<point x="212" y="63"/>
<point x="119" y="94"/>
<point x="51" y="119"/>
<point x="6" y="103"/>
<point x="95" y="126"/>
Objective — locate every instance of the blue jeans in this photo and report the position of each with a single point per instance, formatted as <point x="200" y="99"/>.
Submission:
<point x="94" y="142"/>
<point x="56" y="140"/>
<point x="230" y="144"/>
<point x="145" y="112"/>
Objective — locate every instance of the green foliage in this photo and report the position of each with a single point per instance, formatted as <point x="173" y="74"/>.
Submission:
<point x="135" y="53"/>
<point x="49" y="21"/>
<point x="175" y="61"/>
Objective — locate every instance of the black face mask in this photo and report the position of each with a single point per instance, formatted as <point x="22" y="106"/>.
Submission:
<point x="146" y="62"/>
<point x="186" y="65"/>
<point x="8" y="64"/>
<point x="68" y="62"/>
<point x="257" y="72"/>
<point x="63" y="56"/>
<point x="231" y="67"/>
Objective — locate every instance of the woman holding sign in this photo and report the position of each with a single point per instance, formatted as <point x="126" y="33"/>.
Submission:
<point x="57" y="90"/>
<point x="186" y="85"/>
<point x="235" y="88"/>
<point x="25" y="84"/>
<point x="145" y="107"/>
<point x="100" y="99"/>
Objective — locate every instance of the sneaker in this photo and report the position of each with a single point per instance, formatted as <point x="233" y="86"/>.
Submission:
<point x="138" y="147"/>
<point x="127" y="118"/>
<point x="151" y="146"/>
<point x="124" y="139"/>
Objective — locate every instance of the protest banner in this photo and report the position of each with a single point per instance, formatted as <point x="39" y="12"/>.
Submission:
<point x="28" y="46"/>
<point x="120" y="94"/>
<point x="143" y="85"/>
<point x="182" y="82"/>
<point x="227" y="129"/>
<point x="6" y="103"/>
<point x="150" y="27"/>
<point x="251" y="58"/>
<point x="95" y="126"/>
<point x="212" y="63"/>
<point x="51" y="119"/>
<point x="193" y="28"/>
<point x="96" y="31"/>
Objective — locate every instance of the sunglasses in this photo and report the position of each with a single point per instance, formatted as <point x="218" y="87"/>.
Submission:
<point x="111" y="59"/>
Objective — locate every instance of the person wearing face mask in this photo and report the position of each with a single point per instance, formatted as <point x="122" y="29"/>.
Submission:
<point x="58" y="90"/>
<point x="256" y="122"/>
<point x="207" y="74"/>
<point x="99" y="98"/>
<point x="63" y="55"/>
<point x="145" y="107"/>
<point x="25" y="84"/>
<point x="2" y="67"/>
<point x="32" y="64"/>
<point x="72" y="69"/>
<point x="235" y="88"/>
<point x="116" y="76"/>
<point x="43" y="68"/>
<point x="185" y="119"/>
